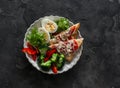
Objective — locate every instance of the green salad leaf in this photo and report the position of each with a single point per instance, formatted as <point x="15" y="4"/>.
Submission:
<point x="63" y="24"/>
<point x="37" y="39"/>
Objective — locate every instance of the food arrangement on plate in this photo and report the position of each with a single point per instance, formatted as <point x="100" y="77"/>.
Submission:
<point x="52" y="43"/>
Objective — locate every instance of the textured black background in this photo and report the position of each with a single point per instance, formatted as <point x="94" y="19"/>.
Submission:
<point x="99" y="66"/>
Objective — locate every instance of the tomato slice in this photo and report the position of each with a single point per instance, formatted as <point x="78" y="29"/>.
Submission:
<point x="49" y="53"/>
<point x="46" y="59"/>
<point x="54" y="69"/>
<point x="32" y="48"/>
<point x="72" y="29"/>
<point x="75" y="45"/>
<point x="29" y="51"/>
<point x="70" y="37"/>
<point x="34" y="57"/>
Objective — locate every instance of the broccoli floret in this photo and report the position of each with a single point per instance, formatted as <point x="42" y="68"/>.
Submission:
<point x="62" y="56"/>
<point x="54" y="57"/>
<point x="46" y="65"/>
<point x="40" y="59"/>
<point x="60" y="61"/>
<point x="63" y="24"/>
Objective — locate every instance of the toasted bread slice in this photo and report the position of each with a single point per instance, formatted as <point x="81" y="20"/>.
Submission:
<point x="79" y="41"/>
<point x="65" y="35"/>
<point x="70" y="56"/>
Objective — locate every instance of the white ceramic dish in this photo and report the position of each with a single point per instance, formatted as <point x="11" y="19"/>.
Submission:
<point x="67" y="65"/>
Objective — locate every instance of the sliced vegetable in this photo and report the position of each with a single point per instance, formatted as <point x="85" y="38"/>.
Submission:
<point x="75" y="45"/>
<point x="54" y="57"/>
<point x="46" y="65"/>
<point x="34" y="57"/>
<point x="49" y="54"/>
<point x="31" y="51"/>
<point x="30" y="46"/>
<point x="41" y="59"/>
<point x="54" y="68"/>
<point x="46" y="59"/>
<point x="43" y="49"/>
<point x="60" y="61"/>
<point x="62" y="56"/>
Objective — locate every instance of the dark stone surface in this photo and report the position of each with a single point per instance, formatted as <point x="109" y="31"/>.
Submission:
<point x="99" y="66"/>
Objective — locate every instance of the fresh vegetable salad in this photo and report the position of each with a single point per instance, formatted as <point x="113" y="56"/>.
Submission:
<point x="53" y="43"/>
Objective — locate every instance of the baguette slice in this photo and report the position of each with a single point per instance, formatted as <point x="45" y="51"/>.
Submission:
<point x="66" y="35"/>
<point x="69" y="57"/>
<point x="69" y="53"/>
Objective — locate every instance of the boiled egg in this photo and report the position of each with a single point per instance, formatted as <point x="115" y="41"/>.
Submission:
<point x="49" y="25"/>
<point x="46" y="34"/>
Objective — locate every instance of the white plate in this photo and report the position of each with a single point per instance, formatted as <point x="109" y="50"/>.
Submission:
<point x="67" y="65"/>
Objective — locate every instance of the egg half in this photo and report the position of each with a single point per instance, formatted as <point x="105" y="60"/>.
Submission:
<point x="46" y="34"/>
<point x="49" y="25"/>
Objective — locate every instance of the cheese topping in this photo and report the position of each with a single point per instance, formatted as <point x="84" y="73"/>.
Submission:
<point x="67" y="47"/>
<point x="50" y="26"/>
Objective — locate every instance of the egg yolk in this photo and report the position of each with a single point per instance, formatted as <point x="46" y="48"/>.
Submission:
<point x="50" y="26"/>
